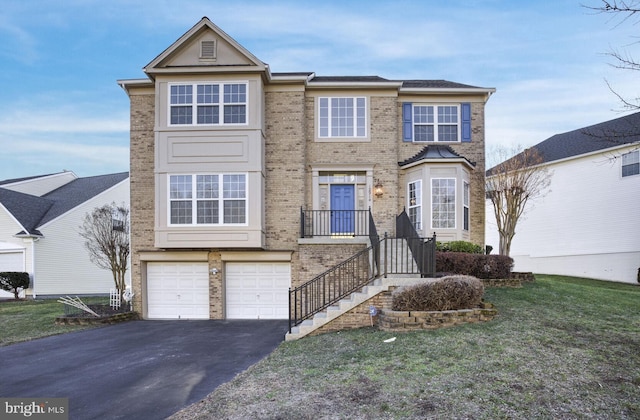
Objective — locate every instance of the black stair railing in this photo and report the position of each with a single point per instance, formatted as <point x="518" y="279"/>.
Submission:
<point x="423" y="250"/>
<point x="333" y="285"/>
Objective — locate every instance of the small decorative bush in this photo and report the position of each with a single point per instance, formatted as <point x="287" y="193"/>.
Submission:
<point x="477" y="265"/>
<point x="443" y="294"/>
<point x="459" y="246"/>
<point x="14" y="282"/>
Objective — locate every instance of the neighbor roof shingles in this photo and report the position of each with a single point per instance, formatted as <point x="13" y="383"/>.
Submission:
<point x="32" y="212"/>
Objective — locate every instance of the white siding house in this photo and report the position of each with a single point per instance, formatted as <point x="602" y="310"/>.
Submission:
<point x="39" y="230"/>
<point x="587" y="224"/>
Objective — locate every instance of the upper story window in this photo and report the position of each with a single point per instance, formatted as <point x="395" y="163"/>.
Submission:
<point x="631" y="163"/>
<point x="208" y="104"/>
<point x="443" y="203"/>
<point x="342" y="117"/>
<point x="208" y="199"/>
<point x="436" y="123"/>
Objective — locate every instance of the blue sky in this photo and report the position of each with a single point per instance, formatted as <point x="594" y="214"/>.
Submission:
<point x="61" y="108"/>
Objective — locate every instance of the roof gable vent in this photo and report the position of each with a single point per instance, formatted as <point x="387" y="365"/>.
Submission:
<point x="208" y="50"/>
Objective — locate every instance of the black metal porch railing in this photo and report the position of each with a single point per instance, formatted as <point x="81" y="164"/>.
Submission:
<point x="406" y="254"/>
<point x="423" y="250"/>
<point x="334" y="284"/>
<point x="334" y="223"/>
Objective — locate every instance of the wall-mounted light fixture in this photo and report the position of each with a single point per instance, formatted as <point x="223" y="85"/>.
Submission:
<point x="378" y="191"/>
<point x="214" y="271"/>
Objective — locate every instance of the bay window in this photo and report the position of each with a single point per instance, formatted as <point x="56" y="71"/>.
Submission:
<point x="210" y="103"/>
<point x="208" y="199"/>
<point x="443" y="203"/>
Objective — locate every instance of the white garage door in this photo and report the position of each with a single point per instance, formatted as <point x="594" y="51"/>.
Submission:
<point x="11" y="261"/>
<point x="177" y="290"/>
<point x="258" y="290"/>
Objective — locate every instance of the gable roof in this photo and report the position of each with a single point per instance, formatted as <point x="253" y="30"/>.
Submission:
<point x="602" y="136"/>
<point x="435" y="152"/>
<point x="26" y="178"/>
<point x="33" y="212"/>
<point x="605" y="135"/>
<point x="159" y="63"/>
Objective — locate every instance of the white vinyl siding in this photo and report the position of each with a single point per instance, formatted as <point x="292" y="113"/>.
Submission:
<point x="62" y="263"/>
<point x="585" y="226"/>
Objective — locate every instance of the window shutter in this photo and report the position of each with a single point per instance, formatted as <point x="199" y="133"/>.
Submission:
<point x="407" y="122"/>
<point x="466" y="121"/>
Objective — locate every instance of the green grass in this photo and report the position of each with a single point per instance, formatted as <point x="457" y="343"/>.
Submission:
<point x="28" y="319"/>
<point x="560" y="348"/>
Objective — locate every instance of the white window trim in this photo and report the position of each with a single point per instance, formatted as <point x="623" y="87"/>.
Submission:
<point x="466" y="200"/>
<point x="221" y="104"/>
<point x="355" y="118"/>
<point x="418" y="204"/>
<point x="221" y="199"/>
<point x="455" y="197"/>
<point x="436" y="124"/>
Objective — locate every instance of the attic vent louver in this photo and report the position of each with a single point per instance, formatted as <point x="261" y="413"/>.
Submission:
<point x="208" y="50"/>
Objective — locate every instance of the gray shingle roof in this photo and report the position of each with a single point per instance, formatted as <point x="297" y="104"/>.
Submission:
<point x="11" y="181"/>
<point x="435" y="84"/>
<point x="605" y="135"/>
<point x="348" y="79"/>
<point x="33" y="212"/>
<point x="434" y="151"/>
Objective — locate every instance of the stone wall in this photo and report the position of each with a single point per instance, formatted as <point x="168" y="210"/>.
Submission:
<point x="419" y="320"/>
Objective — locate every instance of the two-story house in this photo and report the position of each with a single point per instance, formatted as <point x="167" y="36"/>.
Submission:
<point x="246" y="182"/>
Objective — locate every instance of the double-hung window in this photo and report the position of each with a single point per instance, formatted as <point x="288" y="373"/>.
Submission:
<point x="208" y="199"/>
<point x="436" y="123"/>
<point x="342" y="117"/>
<point x="631" y="163"/>
<point x="465" y="206"/>
<point x="443" y="203"/>
<point x="208" y="104"/>
<point x="415" y="203"/>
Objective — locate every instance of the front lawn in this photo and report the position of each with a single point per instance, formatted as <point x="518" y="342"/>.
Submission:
<point x="28" y="319"/>
<point x="559" y="348"/>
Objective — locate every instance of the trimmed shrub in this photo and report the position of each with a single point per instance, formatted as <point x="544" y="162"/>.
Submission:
<point x="13" y="281"/>
<point x="459" y="246"/>
<point x="443" y="294"/>
<point x="477" y="265"/>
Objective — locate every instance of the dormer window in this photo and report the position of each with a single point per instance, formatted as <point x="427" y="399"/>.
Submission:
<point x="208" y="104"/>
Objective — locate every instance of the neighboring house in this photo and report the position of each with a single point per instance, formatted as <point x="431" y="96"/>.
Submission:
<point x="587" y="224"/>
<point x="246" y="182"/>
<point x="40" y="219"/>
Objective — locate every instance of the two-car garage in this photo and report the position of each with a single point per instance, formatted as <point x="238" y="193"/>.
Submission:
<point x="253" y="290"/>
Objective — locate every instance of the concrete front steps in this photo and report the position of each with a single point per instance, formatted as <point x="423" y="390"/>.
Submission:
<point x="378" y="286"/>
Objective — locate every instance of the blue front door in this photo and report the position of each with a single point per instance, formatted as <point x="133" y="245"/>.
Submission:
<point x="342" y="206"/>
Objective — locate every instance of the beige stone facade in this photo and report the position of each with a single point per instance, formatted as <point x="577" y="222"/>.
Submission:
<point x="289" y="167"/>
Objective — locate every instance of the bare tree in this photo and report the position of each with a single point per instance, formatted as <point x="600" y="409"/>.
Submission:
<point x="623" y="10"/>
<point x="106" y="234"/>
<point x="510" y="186"/>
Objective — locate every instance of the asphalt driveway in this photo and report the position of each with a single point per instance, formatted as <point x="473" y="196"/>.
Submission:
<point x="137" y="369"/>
